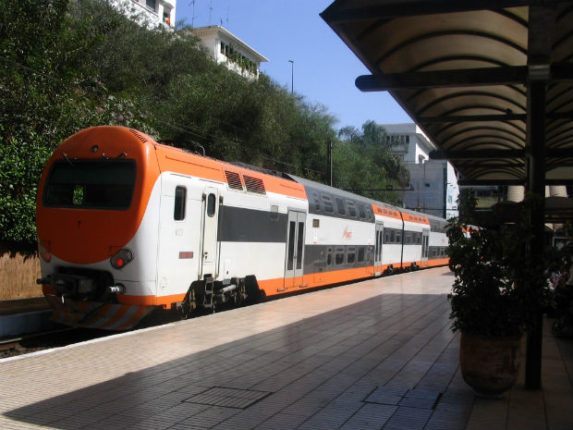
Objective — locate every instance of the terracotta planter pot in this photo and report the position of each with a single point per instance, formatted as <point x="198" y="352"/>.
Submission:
<point x="489" y="364"/>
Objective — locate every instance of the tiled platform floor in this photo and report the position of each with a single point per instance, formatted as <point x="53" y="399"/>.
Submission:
<point x="376" y="354"/>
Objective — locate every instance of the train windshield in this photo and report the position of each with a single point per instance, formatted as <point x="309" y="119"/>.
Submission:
<point x="90" y="184"/>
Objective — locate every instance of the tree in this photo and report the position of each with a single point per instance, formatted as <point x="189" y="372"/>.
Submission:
<point x="46" y="93"/>
<point x="380" y="169"/>
<point x="67" y="65"/>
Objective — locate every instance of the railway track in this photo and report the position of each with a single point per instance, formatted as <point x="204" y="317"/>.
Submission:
<point x="56" y="338"/>
<point x="33" y="342"/>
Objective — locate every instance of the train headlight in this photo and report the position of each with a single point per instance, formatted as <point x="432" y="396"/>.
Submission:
<point x="121" y="258"/>
<point x="44" y="253"/>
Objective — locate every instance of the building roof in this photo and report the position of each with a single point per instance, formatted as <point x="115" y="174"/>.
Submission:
<point x="485" y="79"/>
<point x="221" y="31"/>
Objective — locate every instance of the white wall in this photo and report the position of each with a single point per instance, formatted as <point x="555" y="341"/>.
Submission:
<point x="148" y="12"/>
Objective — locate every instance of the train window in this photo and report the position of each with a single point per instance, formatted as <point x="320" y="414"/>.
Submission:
<point x="398" y="237"/>
<point x="362" y="211"/>
<point x="291" y="233"/>
<point x="211" y="205"/>
<point x="78" y="196"/>
<point x="351" y="209"/>
<point x="299" y="245"/>
<point x="361" y="254"/>
<point x="327" y="202"/>
<point x="386" y="236"/>
<point x="91" y="184"/>
<point x="351" y="257"/>
<point x="370" y="253"/>
<point x="369" y="213"/>
<point x="179" y="206"/>
<point x="315" y="201"/>
<point x="339" y="259"/>
<point x="340" y="207"/>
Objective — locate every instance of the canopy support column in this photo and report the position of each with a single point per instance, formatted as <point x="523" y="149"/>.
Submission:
<point x="541" y="18"/>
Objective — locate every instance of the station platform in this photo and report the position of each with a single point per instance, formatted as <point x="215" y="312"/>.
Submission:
<point x="377" y="354"/>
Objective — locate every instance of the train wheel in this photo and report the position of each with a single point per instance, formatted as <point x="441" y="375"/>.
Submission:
<point x="252" y="289"/>
<point x="188" y="307"/>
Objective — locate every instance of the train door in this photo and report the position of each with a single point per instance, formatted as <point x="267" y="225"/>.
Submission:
<point x="209" y="248"/>
<point x="378" y="248"/>
<point x="294" y="249"/>
<point x="425" y="244"/>
<point x="177" y="241"/>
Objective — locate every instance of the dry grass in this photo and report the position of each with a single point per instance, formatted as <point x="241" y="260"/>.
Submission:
<point x="18" y="277"/>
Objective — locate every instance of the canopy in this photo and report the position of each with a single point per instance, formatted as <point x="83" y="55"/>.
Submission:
<point x="484" y="79"/>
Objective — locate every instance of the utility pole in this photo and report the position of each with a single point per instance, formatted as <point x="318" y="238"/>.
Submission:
<point x="329" y="162"/>
<point x="291" y="76"/>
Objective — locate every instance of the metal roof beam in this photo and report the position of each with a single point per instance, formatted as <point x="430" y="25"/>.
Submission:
<point x="398" y="8"/>
<point x="475" y="181"/>
<point x="472" y="118"/>
<point x="481" y="154"/>
<point x="443" y="78"/>
<point x="508" y="75"/>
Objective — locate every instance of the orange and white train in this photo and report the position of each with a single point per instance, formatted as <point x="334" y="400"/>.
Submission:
<point x="127" y="225"/>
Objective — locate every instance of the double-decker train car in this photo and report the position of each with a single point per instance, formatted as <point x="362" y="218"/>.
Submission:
<point x="127" y="225"/>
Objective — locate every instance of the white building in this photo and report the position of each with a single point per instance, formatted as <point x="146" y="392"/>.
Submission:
<point x="228" y="49"/>
<point x="434" y="185"/>
<point x="149" y="12"/>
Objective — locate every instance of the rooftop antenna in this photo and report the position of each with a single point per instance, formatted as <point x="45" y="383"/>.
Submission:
<point x="210" y="11"/>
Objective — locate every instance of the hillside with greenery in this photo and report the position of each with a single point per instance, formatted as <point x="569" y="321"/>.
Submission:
<point x="66" y="65"/>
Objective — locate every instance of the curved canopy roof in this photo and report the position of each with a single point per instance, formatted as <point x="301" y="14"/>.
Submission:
<point x="490" y="82"/>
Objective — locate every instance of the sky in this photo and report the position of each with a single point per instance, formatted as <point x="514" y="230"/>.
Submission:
<point x="324" y="68"/>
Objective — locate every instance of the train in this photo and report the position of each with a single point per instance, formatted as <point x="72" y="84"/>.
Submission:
<point x="127" y="225"/>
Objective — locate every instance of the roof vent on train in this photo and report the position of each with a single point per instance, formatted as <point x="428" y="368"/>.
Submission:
<point x="234" y="180"/>
<point x="254" y="185"/>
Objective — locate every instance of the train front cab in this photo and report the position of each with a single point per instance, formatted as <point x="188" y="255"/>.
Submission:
<point x="92" y="202"/>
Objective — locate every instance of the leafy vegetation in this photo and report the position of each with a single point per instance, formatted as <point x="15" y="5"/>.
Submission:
<point x="66" y="65"/>
<point x="498" y="288"/>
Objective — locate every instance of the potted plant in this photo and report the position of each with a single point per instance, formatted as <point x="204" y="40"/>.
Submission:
<point x="560" y="273"/>
<point x="489" y="304"/>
